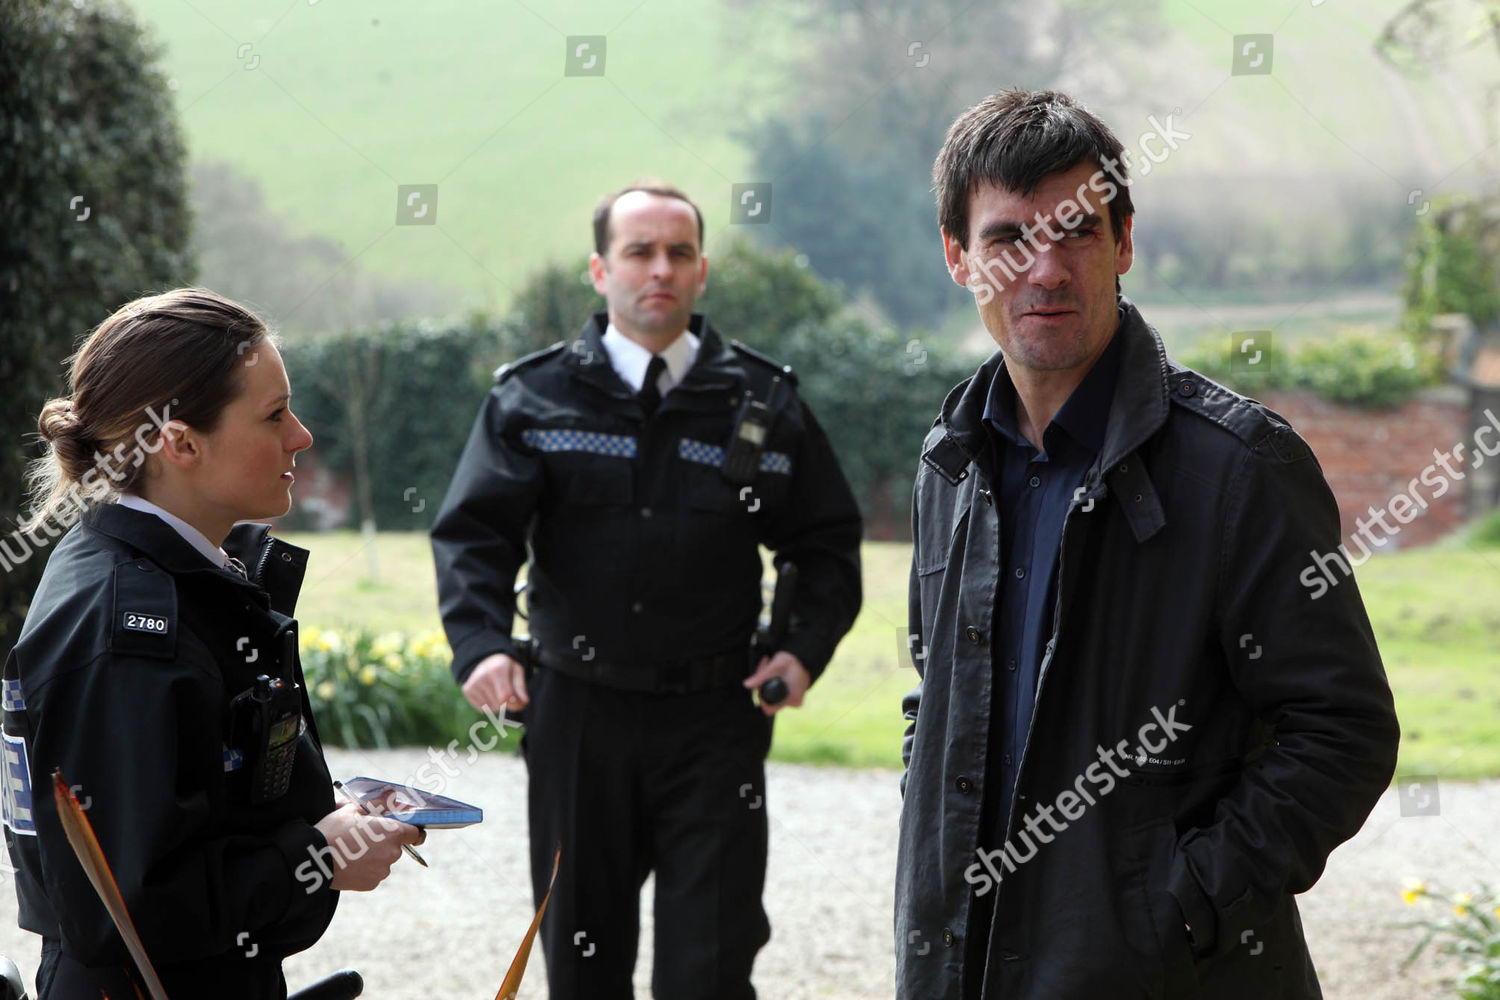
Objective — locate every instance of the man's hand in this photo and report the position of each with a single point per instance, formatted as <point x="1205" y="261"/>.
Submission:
<point x="497" y="683"/>
<point x="790" y="669"/>
<point x="365" y="846"/>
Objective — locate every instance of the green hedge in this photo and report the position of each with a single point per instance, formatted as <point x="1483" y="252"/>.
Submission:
<point x="89" y="129"/>
<point x="414" y="387"/>
<point x="874" y="389"/>
<point x="1374" y="371"/>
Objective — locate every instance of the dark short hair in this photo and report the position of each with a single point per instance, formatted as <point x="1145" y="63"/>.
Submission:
<point x="650" y="185"/>
<point x="1015" y="139"/>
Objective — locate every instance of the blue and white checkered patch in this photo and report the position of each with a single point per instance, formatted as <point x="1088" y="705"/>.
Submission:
<point x="233" y="759"/>
<point x="15" y="786"/>
<point x="711" y="454"/>
<point x="10" y="697"/>
<point x="593" y="442"/>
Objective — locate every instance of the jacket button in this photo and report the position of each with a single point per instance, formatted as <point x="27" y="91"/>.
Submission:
<point x="985" y="496"/>
<point x="1185" y="388"/>
<point x="286" y="557"/>
<point x="947" y="938"/>
<point x="975" y="636"/>
<point x="964" y="784"/>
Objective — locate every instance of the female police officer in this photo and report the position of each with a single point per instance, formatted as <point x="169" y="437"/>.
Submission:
<point x="157" y="668"/>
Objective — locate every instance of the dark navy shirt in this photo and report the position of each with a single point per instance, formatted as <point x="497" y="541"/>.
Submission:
<point x="1034" y="492"/>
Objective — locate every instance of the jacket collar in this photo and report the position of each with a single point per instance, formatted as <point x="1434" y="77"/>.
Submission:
<point x="1140" y="407"/>
<point x="1138" y="411"/>
<point x="716" y="366"/>
<point x="275" y="568"/>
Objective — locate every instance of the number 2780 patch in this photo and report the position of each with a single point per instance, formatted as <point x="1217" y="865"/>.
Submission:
<point x="135" y="621"/>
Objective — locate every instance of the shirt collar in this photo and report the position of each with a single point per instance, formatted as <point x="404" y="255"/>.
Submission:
<point x="630" y="359"/>
<point x="190" y="534"/>
<point x="1082" y="418"/>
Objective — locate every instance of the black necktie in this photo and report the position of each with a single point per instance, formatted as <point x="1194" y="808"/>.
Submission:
<point x="650" y="392"/>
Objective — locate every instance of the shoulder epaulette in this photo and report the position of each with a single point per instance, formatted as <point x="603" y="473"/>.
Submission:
<point x="785" y="371"/>
<point x="526" y="360"/>
<point x="948" y="459"/>
<point x="144" y="618"/>
<point x="1252" y="422"/>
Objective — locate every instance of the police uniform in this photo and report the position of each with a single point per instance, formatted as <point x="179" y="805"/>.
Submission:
<point x="645" y="751"/>
<point x="122" y="677"/>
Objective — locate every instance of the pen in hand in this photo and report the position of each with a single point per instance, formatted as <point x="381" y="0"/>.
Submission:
<point x="365" y="808"/>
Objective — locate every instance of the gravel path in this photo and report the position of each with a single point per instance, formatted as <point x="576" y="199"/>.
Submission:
<point x="449" y="932"/>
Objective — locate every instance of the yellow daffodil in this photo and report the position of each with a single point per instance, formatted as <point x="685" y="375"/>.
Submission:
<point x="325" y="690"/>
<point x="367" y="675"/>
<point x="394" y="662"/>
<point x="1415" y="890"/>
<point x="309" y="637"/>
<point x="1461" y="904"/>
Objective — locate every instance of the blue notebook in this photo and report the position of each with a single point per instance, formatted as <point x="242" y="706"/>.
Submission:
<point x="411" y="805"/>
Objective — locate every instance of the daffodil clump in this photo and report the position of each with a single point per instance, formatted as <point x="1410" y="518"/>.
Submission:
<point x="1465" y="925"/>
<point x="382" y="689"/>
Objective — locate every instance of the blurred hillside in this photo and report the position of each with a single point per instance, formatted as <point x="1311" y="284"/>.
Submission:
<point x="303" y="118"/>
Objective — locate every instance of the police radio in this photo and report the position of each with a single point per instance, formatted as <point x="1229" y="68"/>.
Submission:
<point x="748" y="439"/>
<point x="268" y="723"/>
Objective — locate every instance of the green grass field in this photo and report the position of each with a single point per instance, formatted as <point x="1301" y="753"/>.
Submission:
<point x="1433" y="609"/>
<point x="332" y="105"/>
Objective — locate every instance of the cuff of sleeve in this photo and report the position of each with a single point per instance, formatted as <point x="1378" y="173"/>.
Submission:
<point x="1197" y="909"/>
<point x="302" y="847"/>
<point x="467" y="655"/>
<point x="811" y="651"/>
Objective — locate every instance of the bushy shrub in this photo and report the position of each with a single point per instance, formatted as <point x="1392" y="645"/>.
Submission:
<point x="1356" y="369"/>
<point x="384" y="690"/>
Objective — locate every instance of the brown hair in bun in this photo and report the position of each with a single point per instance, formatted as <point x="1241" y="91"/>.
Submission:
<point x="173" y="356"/>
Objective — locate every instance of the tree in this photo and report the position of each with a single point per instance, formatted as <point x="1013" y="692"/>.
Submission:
<point x="1454" y="260"/>
<point x="850" y="159"/>
<point x="95" y="214"/>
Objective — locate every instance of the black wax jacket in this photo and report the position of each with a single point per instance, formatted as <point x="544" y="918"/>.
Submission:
<point x="1206" y="728"/>
<point x="642" y="553"/>
<point x="132" y="649"/>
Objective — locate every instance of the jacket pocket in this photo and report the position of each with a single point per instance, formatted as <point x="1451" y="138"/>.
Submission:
<point x="1158" y="927"/>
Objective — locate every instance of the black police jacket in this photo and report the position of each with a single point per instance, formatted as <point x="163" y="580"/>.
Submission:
<point x="122" y="678"/>
<point x="642" y="552"/>
<point x="1207" y="729"/>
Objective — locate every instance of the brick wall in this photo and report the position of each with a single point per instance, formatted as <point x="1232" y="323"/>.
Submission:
<point x="1371" y="457"/>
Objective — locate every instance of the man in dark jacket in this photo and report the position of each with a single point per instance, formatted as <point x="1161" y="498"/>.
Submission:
<point x="1137" y="736"/>
<point x="640" y="469"/>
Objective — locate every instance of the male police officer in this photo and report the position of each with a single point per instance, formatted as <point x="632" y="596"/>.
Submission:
<point x="643" y="465"/>
<point x="1137" y="735"/>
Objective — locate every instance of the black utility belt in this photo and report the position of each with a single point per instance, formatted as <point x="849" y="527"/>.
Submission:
<point x="688" y="677"/>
